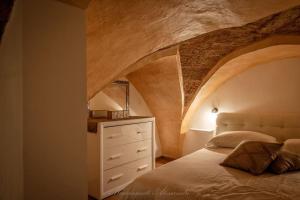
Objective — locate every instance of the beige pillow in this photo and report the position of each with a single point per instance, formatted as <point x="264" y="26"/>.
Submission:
<point x="252" y="156"/>
<point x="233" y="138"/>
<point x="292" y="145"/>
<point x="285" y="161"/>
<point x="288" y="158"/>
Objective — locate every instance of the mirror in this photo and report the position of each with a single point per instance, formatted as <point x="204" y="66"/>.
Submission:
<point x="119" y="91"/>
<point x="112" y="102"/>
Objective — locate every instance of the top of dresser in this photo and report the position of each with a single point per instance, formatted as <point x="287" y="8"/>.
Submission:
<point x="93" y="123"/>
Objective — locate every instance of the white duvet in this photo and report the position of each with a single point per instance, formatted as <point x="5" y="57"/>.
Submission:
<point x="199" y="176"/>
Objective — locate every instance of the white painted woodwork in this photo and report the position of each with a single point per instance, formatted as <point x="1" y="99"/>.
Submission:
<point x="119" y="135"/>
<point x="117" y="155"/>
<point x="119" y="152"/>
<point x="124" y="174"/>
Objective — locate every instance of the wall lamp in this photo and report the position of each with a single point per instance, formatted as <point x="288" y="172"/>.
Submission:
<point x="215" y="110"/>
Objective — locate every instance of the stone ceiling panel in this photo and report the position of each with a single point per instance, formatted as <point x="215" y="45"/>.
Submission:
<point x="119" y="33"/>
<point x="200" y="55"/>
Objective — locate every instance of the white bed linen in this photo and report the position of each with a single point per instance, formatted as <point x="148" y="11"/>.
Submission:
<point x="199" y="176"/>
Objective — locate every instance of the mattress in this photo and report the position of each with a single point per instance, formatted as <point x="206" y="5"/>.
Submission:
<point x="199" y="176"/>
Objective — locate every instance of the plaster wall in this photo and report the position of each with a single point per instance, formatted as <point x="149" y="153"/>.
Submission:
<point x="103" y="102"/>
<point x="55" y="112"/>
<point x="195" y="140"/>
<point x="160" y="86"/>
<point x="11" y="133"/>
<point x="137" y="107"/>
<point x="266" y="88"/>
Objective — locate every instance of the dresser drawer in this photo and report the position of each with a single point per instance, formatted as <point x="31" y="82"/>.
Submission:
<point x="126" y="173"/>
<point x="118" y="135"/>
<point x="117" y="155"/>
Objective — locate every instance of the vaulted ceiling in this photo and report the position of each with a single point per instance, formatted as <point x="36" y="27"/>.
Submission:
<point x="123" y="36"/>
<point x="121" y="33"/>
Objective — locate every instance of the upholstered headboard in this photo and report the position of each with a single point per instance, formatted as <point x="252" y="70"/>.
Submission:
<point x="281" y="126"/>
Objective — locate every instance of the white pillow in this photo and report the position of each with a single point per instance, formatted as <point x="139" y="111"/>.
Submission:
<point x="231" y="139"/>
<point x="292" y="146"/>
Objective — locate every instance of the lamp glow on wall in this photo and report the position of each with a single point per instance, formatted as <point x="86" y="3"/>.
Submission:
<point x="212" y="117"/>
<point x="206" y="118"/>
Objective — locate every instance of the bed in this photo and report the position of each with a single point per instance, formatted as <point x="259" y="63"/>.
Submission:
<point x="199" y="175"/>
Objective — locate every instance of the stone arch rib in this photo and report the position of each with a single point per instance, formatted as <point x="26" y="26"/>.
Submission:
<point x="201" y="54"/>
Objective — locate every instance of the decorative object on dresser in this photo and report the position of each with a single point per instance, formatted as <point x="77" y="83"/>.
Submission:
<point x="120" y="90"/>
<point x="118" y="152"/>
<point x="107" y="114"/>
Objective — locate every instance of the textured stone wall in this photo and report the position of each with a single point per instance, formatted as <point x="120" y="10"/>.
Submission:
<point x="121" y="32"/>
<point x="199" y="55"/>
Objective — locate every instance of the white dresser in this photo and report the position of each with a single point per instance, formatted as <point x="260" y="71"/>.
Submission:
<point x="118" y="152"/>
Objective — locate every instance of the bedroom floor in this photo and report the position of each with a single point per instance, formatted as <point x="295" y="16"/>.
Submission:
<point x="162" y="160"/>
<point x="158" y="162"/>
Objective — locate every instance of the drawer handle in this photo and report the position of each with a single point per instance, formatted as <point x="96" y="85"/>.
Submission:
<point x="140" y="132"/>
<point x="142" y="149"/>
<point x="115" y="156"/>
<point x="113" y="178"/>
<point x="114" y="136"/>
<point x="142" y="167"/>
